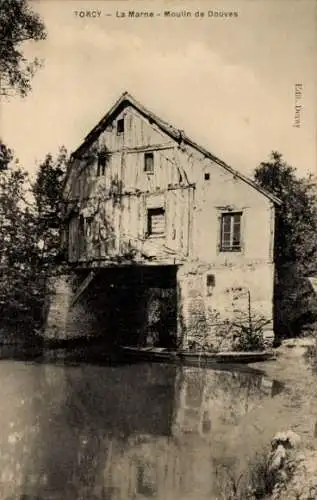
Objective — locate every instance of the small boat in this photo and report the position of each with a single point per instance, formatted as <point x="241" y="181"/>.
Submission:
<point x="194" y="357"/>
<point x="149" y="353"/>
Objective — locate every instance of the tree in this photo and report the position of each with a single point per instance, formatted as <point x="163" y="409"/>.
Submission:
<point x="295" y="242"/>
<point x="31" y="217"/>
<point x="18" y="24"/>
<point x="20" y="300"/>
<point x="48" y="196"/>
<point x="6" y="156"/>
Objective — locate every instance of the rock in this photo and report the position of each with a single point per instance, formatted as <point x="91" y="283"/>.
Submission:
<point x="288" y="439"/>
<point x="289" y="343"/>
<point x="277" y="458"/>
<point x="305" y="493"/>
<point x="307" y="342"/>
<point x="301" y="457"/>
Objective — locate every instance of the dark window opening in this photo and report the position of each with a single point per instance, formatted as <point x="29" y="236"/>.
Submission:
<point x="149" y="162"/>
<point x="231" y="232"/>
<point x="155" y="221"/>
<point x="207" y="176"/>
<point x="102" y="163"/>
<point x="120" y="126"/>
<point x="211" y="282"/>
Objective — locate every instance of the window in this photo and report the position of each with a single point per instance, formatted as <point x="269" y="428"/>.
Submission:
<point x="231" y="232"/>
<point x="149" y="163"/>
<point x="155" y="221"/>
<point x="211" y="283"/>
<point x="207" y="176"/>
<point x="88" y="226"/>
<point x="102" y="163"/>
<point x="120" y="126"/>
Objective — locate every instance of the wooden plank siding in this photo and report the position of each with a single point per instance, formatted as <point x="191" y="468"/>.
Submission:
<point x="114" y="206"/>
<point x="121" y="226"/>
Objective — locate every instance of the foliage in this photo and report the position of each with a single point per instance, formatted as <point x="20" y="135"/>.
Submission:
<point x="295" y="242"/>
<point x="6" y="157"/>
<point x="250" y="335"/>
<point x="18" y="24"/>
<point x="30" y="238"/>
<point x="18" y="251"/>
<point x="228" y="484"/>
<point x="249" y="329"/>
<point x="259" y="481"/>
<point x="215" y="333"/>
<point x="47" y="191"/>
<point x="296" y="225"/>
<point x="200" y="330"/>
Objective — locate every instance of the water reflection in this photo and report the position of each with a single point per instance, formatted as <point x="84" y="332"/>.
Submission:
<point x="118" y="433"/>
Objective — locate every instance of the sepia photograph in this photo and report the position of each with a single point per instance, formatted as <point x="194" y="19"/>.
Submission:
<point x="158" y="250"/>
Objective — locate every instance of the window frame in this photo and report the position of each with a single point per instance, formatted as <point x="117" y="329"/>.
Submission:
<point x="147" y="155"/>
<point x="150" y="211"/>
<point x="231" y="247"/>
<point x="121" y="126"/>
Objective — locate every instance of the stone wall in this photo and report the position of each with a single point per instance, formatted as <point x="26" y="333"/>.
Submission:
<point x="125" y="306"/>
<point x="64" y="320"/>
<point x="212" y="298"/>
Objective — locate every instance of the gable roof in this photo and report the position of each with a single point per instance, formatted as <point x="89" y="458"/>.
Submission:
<point x="176" y="134"/>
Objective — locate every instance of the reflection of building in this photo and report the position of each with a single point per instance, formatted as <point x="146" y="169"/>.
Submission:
<point x="210" y="400"/>
<point x="208" y="406"/>
<point x="120" y="433"/>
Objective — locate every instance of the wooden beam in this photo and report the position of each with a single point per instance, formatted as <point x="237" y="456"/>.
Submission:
<point x="139" y="193"/>
<point x="144" y="148"/>
<point x="179" y="159"/>
<point x="82" y="287"/>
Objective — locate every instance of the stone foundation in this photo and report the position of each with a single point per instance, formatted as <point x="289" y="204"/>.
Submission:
<point x="127" y="306"/>
<point x="215" y="305"/>
<point x="64" y="320"/>
<point x="215" y="302"/>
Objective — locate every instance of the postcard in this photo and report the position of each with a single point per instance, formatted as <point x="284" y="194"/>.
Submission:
<point x="158" y="258"/>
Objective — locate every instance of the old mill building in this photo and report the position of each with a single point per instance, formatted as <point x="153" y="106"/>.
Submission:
<point x="168" y="245"/>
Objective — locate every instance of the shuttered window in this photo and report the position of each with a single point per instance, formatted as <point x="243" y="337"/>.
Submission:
<point x="155" y="221"/>
<point x="231" y="232"/>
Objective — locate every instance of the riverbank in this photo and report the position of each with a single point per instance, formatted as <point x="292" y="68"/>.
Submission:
<point x="298" y="373"/>
<point x="295" y="409"/>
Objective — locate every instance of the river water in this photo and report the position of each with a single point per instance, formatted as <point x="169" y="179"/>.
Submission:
<point x="137" y="431"/>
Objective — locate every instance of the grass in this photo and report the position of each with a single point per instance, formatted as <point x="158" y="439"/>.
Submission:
<point x="257" y="482"/>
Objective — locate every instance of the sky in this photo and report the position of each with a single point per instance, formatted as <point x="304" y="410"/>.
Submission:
<point x="228" y="82"/>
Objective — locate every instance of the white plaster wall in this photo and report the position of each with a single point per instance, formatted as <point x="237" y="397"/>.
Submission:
<point x="211" y="199"/>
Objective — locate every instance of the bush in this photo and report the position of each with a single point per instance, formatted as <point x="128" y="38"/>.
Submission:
<point x="250" y="337"/>
<point x="295" y="248"/>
